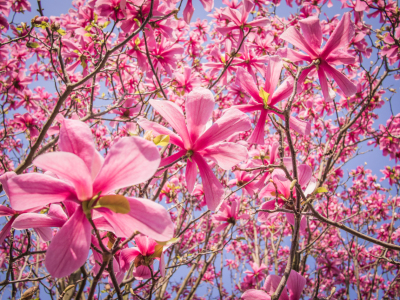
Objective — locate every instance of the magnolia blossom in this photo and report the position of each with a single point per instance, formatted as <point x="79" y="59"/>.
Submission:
<point x="228" y="214"/>
<point x="265" y="98"/>
<point x="333" y="53"/>
<point x="295" y="284"/>
<point x="84" y="181"/>
<point x="196" y="142"/>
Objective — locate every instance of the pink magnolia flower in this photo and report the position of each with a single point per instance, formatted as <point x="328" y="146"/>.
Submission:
<point x="85" y="178"/>
<point x="228" y="214"/>
<point x="281" y="185"/>
<point x="265" y="99"/>
<point x="196" y="142"/>
<point x="27" y="122"/>
<point x="186" y="82"/>
<point x="295" y="284"/>
<point x="239" y="17"/>
<point x="330" y="55"/>
<point x="143" y="256"/>
<point x="257" y="273"/>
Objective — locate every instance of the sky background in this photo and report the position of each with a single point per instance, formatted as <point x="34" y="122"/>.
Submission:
<point x="374" y="159"/>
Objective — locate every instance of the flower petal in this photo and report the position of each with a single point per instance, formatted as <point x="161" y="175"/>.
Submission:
<point x="257" y="136"/>
<point x="199" y="107"/>
<point x="213" y="189"/>
<point x="226" y="155"/>
<point x="246" y="82"/>
<point x="191" y="174"/>
<point x="145" y="216"/>
<point x="159" y="129"/>
<point x="68" y="166"/>
<point x="273" y="74"/>
<point x="295" y="284"/>
<point x="271" y="284"/>
<point x="173" y="114"/>
<point x="312" y="31"/>
<point x="37" y="190"/>
<point x="31" y="220"/>
<point x="293" y="36"/>
<point x="341" y="36"/>
<point x="6" y="211"/>
<point x="255" y="295"/>
<point x="231" y="122"/>
<point x="76" y="137"/>
<point x="5" y="231"/>
<point x="347" y="87"/>
<point x="130" y="161"/>
<point x="63" y="258"/>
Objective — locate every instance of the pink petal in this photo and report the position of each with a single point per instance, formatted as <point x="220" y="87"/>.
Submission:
<point x="145" y="216"/>
<point x="259" y="22"/>
<point x="283" y="185"/>
<point x="226" y="155"/>
<point x="257" y="137"/>
<point x="199" y="107"/>
<point x="248" y="107"/>
<point x="30" y="220"/>
<point x="246" y="82"/>
<point x="207" y="4"/>
<point x="145" y="245"/>
<point x="127" y="256"/>
<point x="69" y="249"/>
<point x="292" y="55"/>
<point x="271" y="284"/>
<point x="295" y="284"/>
<point x="4" y="179"/>
<point x="284" y="90"/>
<point x="142" y="272"/>
<point x="303" y="222"/>
<point x="324" y="85"/>
<point x="44" y="233"/>
<point x="191" y="174"/>
<point x="263" y="216"/>
<point x="76" y="137"/>
<point x="6" y="211"/>
<point x="172" y="113"/>
<point x="37" y="190"/>
<point x="56" y="211"/>
<point x="341" y="36"/>
<point x="231" y="122"/>
<point x="221" y="227"/>
<point x="159" y="129"/>
<point x="293" y="36"/>
<point x="68" y="166"/>
<point x="273" y="74"/>
<point x="5" y="231"/>
<point x="213" y="189"/>
<point x="347" y="87"/>
<point x="304" y="174"/>
<point x="312" y="31"/>
<point x="255" y="295"/>
<point x="130" y="161"/>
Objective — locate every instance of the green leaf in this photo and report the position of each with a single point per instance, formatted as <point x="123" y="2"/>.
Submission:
<point x="265" y="96"/>
<point x="170" y="242"/>
<point x="321" y="189"/>
<point x="116" y="203"/>
<point x="158" y="251"/>
<point x="161" y="140"/>
<point x="61" y="31"/>
<point x="32" y="45"/>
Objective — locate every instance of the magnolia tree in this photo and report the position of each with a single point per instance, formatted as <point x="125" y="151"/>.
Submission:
<point x="169" y="158"/>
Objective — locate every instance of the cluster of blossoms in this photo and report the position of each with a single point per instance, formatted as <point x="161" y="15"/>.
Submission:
<point x="168" y="153"/>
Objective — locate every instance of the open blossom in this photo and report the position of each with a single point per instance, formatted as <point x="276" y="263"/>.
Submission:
<point x="331" y="54"/>
<point x="143" y="256"/>
<point x="295" y="284"/>
<point x="85" y="180"/>
<point x="196" y="142"/>
<point x="279" y="189"/>
<point x="228" y="214"/>
<point x="265" y="98"/>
